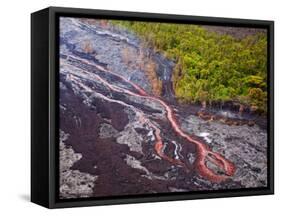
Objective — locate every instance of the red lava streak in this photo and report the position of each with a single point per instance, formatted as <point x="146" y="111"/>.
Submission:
<point x="204" y="153"/>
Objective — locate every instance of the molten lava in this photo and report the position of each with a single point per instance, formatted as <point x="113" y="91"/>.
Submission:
<point x="204" y="153"/>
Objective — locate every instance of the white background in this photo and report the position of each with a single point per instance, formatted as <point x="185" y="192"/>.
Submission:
<point x="15" y="107"/>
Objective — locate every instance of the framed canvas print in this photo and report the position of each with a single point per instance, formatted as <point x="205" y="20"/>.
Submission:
<point x="138" y="107"/>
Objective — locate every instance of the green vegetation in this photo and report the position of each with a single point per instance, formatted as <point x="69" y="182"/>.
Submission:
<point x="210" y="66"/>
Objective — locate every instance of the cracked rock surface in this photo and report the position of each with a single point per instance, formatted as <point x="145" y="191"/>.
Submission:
<point x="73" y="183"/>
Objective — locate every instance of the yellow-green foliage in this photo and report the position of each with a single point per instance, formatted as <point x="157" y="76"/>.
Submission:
<point x="210" y="66"/>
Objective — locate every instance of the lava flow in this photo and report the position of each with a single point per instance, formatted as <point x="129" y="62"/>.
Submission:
<point x="204" y="153"/>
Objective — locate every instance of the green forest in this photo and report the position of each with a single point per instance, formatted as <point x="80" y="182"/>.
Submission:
<point x="209" y="66"/>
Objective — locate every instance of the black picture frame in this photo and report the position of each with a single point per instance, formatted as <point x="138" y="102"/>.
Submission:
<point x="44" y="106"/>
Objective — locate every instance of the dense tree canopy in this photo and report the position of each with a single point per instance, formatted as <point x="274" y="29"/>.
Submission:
<point x="210" y="66"/>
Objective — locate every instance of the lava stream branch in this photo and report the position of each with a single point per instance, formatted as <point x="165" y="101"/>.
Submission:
<point x="203" y="151"/>
<point x="141" y="116"/>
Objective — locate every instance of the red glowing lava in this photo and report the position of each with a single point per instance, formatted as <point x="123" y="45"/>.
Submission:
<point x="204" y="153"/>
